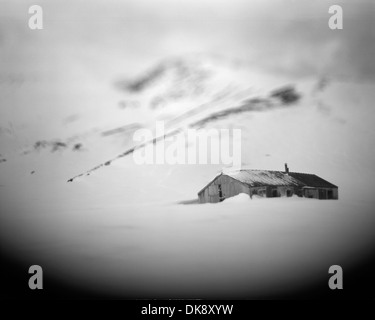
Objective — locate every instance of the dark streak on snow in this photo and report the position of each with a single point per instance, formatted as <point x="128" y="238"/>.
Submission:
<point x="127" y="152"/>
<point x="286" y="95"/>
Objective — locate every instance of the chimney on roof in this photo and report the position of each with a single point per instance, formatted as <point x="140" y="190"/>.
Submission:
<point x="286" y="168"/>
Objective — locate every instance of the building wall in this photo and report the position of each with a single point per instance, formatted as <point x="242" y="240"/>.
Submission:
<point x="258" y="191"/>
<point x="311" y="193"/>
<point x="335" y="193"/>
<point x="229" y="187"/>
<point x="286" y="191"/>
<point x="272" y="191"/>
<point x="225" y="187"/>
<point x="321" y="193"/>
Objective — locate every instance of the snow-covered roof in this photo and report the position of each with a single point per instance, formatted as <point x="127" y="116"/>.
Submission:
<point x="312" y="180"/>
<point x="259" y="178"/>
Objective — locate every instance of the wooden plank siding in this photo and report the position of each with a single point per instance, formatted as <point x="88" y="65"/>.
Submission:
<point x="229" y="188"/>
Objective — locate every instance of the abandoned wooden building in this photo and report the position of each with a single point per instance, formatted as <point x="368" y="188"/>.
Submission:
<point x="269" y="184"/>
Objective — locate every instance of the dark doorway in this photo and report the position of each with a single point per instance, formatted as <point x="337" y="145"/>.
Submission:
<point x="330" y="194"/>
<point x="274" y="193"/>
<point x="322" y="194"/>
<point x="289" y="193"/>
<point x="221" y="198"/>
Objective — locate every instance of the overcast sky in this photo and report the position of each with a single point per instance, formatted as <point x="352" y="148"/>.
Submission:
<point x="285" y="35"/>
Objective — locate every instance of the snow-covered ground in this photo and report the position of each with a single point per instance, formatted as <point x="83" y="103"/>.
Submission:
<point x="133" y="229"/>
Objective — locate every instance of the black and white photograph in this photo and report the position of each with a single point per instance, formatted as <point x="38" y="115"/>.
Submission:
<point x="199" y="151"/>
